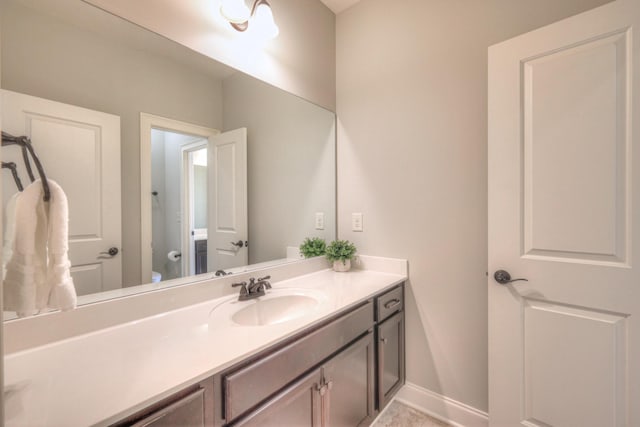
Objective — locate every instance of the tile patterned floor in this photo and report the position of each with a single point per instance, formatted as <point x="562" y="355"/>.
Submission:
<point x="399" y="415"/>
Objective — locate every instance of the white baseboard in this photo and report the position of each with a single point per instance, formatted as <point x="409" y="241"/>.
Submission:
<point x="441" y="407"/>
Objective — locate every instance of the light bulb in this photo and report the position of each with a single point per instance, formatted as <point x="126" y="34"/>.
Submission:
<point x="234" y="11"/>
<point x="262" y="22"/>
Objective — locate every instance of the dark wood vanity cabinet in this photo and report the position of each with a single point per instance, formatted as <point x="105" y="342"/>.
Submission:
<point x="325" y="375"/>
<point x="340" y="372"/>
<point x="201" y="256"/>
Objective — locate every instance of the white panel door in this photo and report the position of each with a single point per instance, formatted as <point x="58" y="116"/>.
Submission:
<point x="564" y="213"/>
<point x="80" y="150"/>
<point x="227" y="204"/>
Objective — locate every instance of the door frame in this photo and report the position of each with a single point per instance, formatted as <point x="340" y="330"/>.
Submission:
<point x="147" y="123"/>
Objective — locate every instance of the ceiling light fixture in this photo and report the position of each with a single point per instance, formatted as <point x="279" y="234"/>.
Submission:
<point x="260" y="16"/>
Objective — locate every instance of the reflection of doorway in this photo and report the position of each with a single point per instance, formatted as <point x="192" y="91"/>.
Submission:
<point x="227" y="224"/>
<point x="178" y="173"/>
<point x="150" y="124"/>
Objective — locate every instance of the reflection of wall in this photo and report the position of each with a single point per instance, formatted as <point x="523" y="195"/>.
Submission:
<point x="290" y="139"/>
<point x="301" y="60"/>
<point x="412" y="108"/>
<point x="55" y="61"/>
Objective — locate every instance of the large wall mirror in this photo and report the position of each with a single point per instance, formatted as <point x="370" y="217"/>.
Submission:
<point x="174" y="165"/>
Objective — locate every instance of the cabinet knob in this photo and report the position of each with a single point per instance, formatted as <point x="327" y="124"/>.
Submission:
<point x="384" y="340"/>
<point x="322" y="389"/>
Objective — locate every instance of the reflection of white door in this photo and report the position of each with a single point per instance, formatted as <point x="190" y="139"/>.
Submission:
<point x="564" y="194"/>
<point x="227" y="204"/>
<point x="194" y="202"/>
<point x="80" y="150"/>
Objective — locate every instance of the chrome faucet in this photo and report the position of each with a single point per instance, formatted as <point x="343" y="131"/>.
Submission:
<point x="256" y="288"/>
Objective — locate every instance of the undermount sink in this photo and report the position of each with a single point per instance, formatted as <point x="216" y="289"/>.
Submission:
<point x="277" y="306"/>
<point x="270" y="311"/>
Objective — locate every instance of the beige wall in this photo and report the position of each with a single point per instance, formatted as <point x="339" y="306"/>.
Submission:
<point x="52" y="60"/>
<point x="291" y="164"/>
<point x="301" y="60"/>
<point x="411" y="104"/>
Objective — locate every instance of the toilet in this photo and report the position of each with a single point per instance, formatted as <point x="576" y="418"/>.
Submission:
<point x="155" y="277"/>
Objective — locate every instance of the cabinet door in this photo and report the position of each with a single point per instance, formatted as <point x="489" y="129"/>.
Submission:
<point x="348" y="385"/>
<point x="297" y="405"/>
<point x="390" y="358"/>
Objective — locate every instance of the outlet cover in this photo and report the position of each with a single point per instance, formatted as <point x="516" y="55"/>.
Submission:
<point x="319" y="220"/>
<point x="356" y="222"/>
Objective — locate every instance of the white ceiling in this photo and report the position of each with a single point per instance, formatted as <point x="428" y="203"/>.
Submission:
<point x="338" y="6"/>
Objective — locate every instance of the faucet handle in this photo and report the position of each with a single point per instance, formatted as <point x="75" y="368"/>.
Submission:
<point x="243" y="291"/>
<point x="264" y="282"/>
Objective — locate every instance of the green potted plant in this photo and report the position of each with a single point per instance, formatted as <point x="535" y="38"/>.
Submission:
<point x="341" y="252"/>
<point x="313" y="246"/>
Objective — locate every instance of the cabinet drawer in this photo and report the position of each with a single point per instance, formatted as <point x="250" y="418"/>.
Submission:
<point x="188" y="412"/>
<point x="246" y="387"/>
<point x="389" y="303"/>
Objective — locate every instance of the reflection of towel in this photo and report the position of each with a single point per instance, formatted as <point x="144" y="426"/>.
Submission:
<point x="9" y="231"/>
<point x="38" y="273"/>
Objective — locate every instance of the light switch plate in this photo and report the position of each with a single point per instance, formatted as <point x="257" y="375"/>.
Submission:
<point x="356" y="222"/>
<point x="319" y="220"/>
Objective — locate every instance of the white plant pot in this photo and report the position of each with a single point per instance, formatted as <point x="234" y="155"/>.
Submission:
<point x="342" y="266"/>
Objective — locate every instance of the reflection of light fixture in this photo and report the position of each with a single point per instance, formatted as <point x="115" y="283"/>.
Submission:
<point x="261" y="16"/>
<point x="235" y="11"/>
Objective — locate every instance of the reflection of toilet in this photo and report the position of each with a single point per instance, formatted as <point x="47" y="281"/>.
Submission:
<point x="155" y="277"/>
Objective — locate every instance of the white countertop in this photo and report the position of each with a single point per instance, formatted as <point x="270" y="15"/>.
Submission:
<point x="99" y="377"/>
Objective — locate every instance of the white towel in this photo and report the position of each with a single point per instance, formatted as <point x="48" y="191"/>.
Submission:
<point x="38" y="272"/>
<point x="9" y="231"/>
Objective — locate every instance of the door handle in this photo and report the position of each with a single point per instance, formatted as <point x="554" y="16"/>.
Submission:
<point x="239" y="244"/>
<point x="503" y="277"/>
<point x="111" y="252"/>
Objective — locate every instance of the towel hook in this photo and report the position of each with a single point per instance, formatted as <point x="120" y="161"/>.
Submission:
<point x="27" y="148"/>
